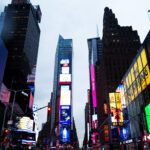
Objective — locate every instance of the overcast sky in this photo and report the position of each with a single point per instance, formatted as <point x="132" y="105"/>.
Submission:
<point x="77" y="19"/>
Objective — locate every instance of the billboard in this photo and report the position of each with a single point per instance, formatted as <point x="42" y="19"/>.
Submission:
<point x="147" y="114"/>
<point x="64" y="61"/>
<point x="64" y="133"/>
<point x="65" y="70"/>
<point x="116" y="108"/>
<point x="65" y="97"/>
<point x="94" y="121"/>
<point x="25" y="123"/>
<point x="137" y="78"/>
<point x="125" y="133"/>
<point x="4" y="94"/>
<point x="65" y="114"/>
<point x="65" y="78"/>
<point x="93" y="86"/>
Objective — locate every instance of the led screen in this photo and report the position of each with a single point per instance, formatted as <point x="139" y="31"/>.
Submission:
<point x="65" y="70"/>
<point x="147" y="112"/>
<point x="138" y="77"/>
<point x="93" y="86"/>
<point x="116" y="108"/>
<point x="65" y="114"/>
<point x="65" y="97"/>
<point x="64" y="61"/>
<point x="124" y="133"/>
<point x="65" y="78"/>
<point x="65" y="133"/>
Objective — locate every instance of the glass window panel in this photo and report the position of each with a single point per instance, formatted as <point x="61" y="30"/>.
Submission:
<point x="144" y="58"/>
<point x="138" y="82"/>
<point x="147" y="74"/>
<point x="129" y="76"/>
<point x="134" y="85"/>
<point x="142" y="79"/>
<point x="139" y="64"/>
<point x="136" y="71"/>
<point x="127" y="82"/>
<point x="132" y="74"/>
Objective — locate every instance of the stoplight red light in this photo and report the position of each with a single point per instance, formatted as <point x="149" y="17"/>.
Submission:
<point x="6" y="131"/>
<point x="49" y="109"/>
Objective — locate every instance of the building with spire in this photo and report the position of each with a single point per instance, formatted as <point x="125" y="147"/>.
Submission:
<point x="120" y="45"/>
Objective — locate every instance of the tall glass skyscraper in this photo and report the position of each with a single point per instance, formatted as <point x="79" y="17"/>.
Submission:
<point x="61" y="115"/>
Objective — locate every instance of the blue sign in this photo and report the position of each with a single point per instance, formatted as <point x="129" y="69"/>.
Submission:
<point x="65" y="133"/>
<point x="65" y="114"/>
<point x="125" y="133"/>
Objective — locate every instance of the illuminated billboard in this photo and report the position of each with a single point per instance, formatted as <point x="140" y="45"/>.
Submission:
<point x="116" y="108"/>
<point x="65" y="114"/>
<point x="125" y="133"/>
<point x="64" y="61"/>
<point x="93" y="86"/>
<point x="65" y="78"/>
<point x="65" y="97"/>
<point x="64" y="133"/>
<point x="25" y="123"/>
<point x="65" y="70"/>
<point x="147" y="114"/>
<point x="94" y="121"/>
<point x="137" y="78"/>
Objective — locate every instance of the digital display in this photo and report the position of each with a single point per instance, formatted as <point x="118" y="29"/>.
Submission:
<point x="65" y="70"/>
<point x="116" y="108"/>
<point x="65" y="97"/>
<point x="65" y="78"/>
<point x="93" y="86"/>
<point x="64" y="61"/>
<point x="147" y="113"/>
<point x="65" y="114"/>
<point x="65" y="133"/>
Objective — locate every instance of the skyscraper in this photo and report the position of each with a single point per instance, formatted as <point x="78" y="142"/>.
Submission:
<point x="61" y="115"/>
<point x="120" y="45"/>
<point x="20" y="34"/>
<point x="95" y="54"/>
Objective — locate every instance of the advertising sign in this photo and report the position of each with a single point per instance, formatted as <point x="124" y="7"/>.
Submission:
<point x="65" y="78"/>
<point x="147" y="113"/>
<point x="65" y="97"/>
<point x="93" y="86"/>
<point x="64" y="61"/>
<point x="65" y="133"/>
<point x="116" y="108"/>
<point x="25" y="123"/>
<point x="65" y="115"/>
<point x="124" y="133"/>
<point x="65" y="70"/>
<point x="94" y="121"/>
<point x="138" y="77"/>
<point x="4" y="94"/>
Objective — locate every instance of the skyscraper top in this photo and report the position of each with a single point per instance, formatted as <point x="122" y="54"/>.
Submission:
<point x="20" y="1"/>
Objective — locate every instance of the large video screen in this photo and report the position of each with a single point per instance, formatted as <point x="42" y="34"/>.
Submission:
<point x="65" y="114"/>
<point x="65" y="133"/>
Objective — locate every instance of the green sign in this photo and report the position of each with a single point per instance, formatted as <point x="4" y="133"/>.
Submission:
<point x="147" y="112"/>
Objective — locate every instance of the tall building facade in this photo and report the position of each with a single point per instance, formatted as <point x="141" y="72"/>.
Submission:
<point x="61" y="114"/>
<point x="95" y="54"/>
<point x="3" y="59"/>
<point x="20" y="33"/>
<point x="135" y="95"/>
<point x="120" y="45"/>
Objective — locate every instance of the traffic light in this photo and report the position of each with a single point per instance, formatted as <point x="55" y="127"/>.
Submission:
<point x="49" y="108"/>
<point x="5" y="136"/>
